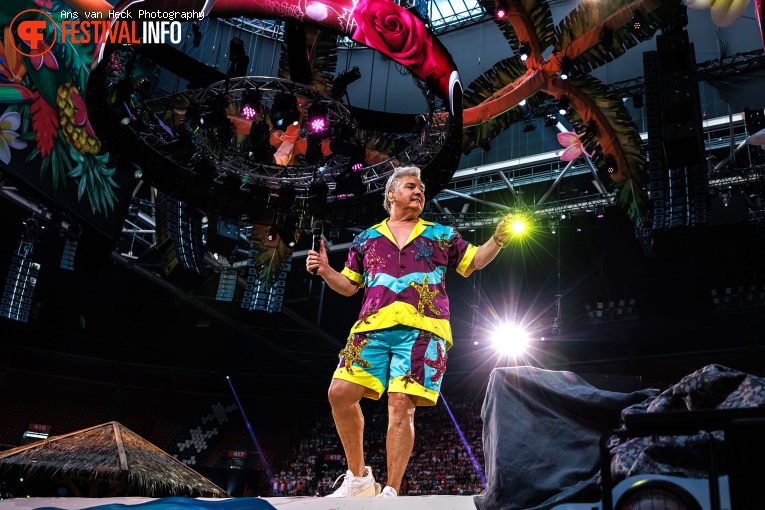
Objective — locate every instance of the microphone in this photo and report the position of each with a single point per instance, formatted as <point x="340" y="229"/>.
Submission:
<point x="316" y="243"/>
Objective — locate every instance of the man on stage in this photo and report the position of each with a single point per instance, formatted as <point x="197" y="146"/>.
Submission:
<point x="403" y="332"/>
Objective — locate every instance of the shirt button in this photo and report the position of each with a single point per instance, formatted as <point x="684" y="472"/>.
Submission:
<point x="402" y="266"/>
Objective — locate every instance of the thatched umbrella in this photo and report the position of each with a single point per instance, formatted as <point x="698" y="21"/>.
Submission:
<point x="113" y="461"/>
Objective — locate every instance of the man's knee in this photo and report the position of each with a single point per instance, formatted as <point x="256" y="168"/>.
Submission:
<point x="343" y="393"/>
<point x="401" y="406"/>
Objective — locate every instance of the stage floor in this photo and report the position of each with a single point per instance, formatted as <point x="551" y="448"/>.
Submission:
<point x="301" y="503"/>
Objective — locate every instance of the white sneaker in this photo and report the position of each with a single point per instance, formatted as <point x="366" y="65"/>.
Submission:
<point x="388" y="492"/>
<point x="356" y="486"/>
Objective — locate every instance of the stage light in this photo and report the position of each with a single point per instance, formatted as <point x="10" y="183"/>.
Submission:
<point x="519" y="226"/>
<point x="590" y="132"/>
<point x="313" y="148"/>
<point x="286" y="198"/>
<point x="259" y="133"/>
<point x="550" y="121"/>
<point x="637" y="100"/>
<point x="606" y="37"/>
<point x="522" y="102"/>
<point x="317" y="118"/>
<point x="725" y="197"/>
<point x="553" y="226"/>
<point x="638" y="22"/>
<point x="565" y="68"/>
<point x="213" y="119"/>
<point x="563" y="104"/>
<point x="341" y="82"/>
<point x="503" y="7"/>
<point x="284" y="111"/>
<point x="237" y="58"/>
<point x="510" y="339"/>
<point x="599" y="211"/>
<point x="349" y="181"/>
<point x="317" y="198"/>
<point x="286" y="228"/>
<point x="524" y="51"/>
<point x="610" y="164"/>
<point x="250" y="104"/>
<point x="197" y="33"/>
<point x="260" y="147"/>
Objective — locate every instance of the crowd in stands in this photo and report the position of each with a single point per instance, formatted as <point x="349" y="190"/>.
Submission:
<point x="441" y="462"/>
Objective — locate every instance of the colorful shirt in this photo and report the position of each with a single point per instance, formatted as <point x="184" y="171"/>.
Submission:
<point x="407" y="286"/>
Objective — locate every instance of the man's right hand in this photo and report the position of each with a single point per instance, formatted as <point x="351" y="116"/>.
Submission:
<point x="317" y="260"/>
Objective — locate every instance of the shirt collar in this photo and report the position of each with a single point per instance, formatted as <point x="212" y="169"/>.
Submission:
<point x="418" y="229"/>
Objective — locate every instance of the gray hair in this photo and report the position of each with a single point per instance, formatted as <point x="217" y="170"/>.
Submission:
<point x="395" y="178"/>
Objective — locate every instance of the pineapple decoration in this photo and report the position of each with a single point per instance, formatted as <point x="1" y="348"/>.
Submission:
<point x="46" y="94"/>
<point x="80" y="136"/>
<point x="91" y="171"/>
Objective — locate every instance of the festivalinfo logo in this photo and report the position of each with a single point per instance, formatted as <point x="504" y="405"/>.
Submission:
<point x="37" y="32"/>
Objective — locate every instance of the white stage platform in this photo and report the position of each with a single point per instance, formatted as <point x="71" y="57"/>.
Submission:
<point x="301" y="503"/>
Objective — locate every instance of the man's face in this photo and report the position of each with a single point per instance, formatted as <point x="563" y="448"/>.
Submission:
<point x="409" y="194"/>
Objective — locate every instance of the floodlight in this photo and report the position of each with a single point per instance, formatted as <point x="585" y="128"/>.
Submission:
<point x="284" y="111"/>
<point x="524" y="51"/>
<point x="510" y="339"/>
<point x="563" y="104"/>
<point x="503" y="8"/>
<point x="317" y="118"/>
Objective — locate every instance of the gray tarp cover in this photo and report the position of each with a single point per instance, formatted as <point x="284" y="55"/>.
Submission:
<point x="541" y="431"/>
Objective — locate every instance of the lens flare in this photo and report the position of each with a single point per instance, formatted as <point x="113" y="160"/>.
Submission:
<point x="510" y="339"/>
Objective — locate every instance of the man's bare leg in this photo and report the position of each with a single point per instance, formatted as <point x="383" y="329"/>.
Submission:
<point x="400" y="439"/>
<point x="344" y="397"/>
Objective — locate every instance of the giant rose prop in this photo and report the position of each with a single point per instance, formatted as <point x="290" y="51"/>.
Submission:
<point x="395" y="32"/>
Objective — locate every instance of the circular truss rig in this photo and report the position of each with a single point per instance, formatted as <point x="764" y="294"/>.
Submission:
<point x="198" y="145"/>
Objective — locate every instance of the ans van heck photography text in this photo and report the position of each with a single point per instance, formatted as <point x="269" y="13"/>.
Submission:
<point x="128" y="27"/>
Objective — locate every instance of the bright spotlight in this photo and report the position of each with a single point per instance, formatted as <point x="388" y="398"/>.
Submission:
<point x="510" y="339"/>
<point x="518" y="226"/>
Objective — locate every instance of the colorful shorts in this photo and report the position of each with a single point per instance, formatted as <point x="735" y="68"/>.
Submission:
<point x="403" y="359"/>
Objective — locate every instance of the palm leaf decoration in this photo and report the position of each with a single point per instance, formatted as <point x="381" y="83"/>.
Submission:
<point x="323" y="59"/>
<point x="630" y="195"/>
<point x="538" y="13"/>
<point x="502" y="74"/>
<point x="611" y="13"/>
<point x="269" y="256"/>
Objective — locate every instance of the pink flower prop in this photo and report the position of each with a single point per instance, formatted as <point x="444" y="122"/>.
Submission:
<point x="47" y="58"/>
<point x="395" y="32"/>
<point x="44" y="3"/>
<point x="573" y="144"/>
<point x="9" y="123"/>
<point x="81" y="113"/>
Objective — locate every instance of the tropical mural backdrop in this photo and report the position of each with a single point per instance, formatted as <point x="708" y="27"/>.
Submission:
<point x="47" y="144"/>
